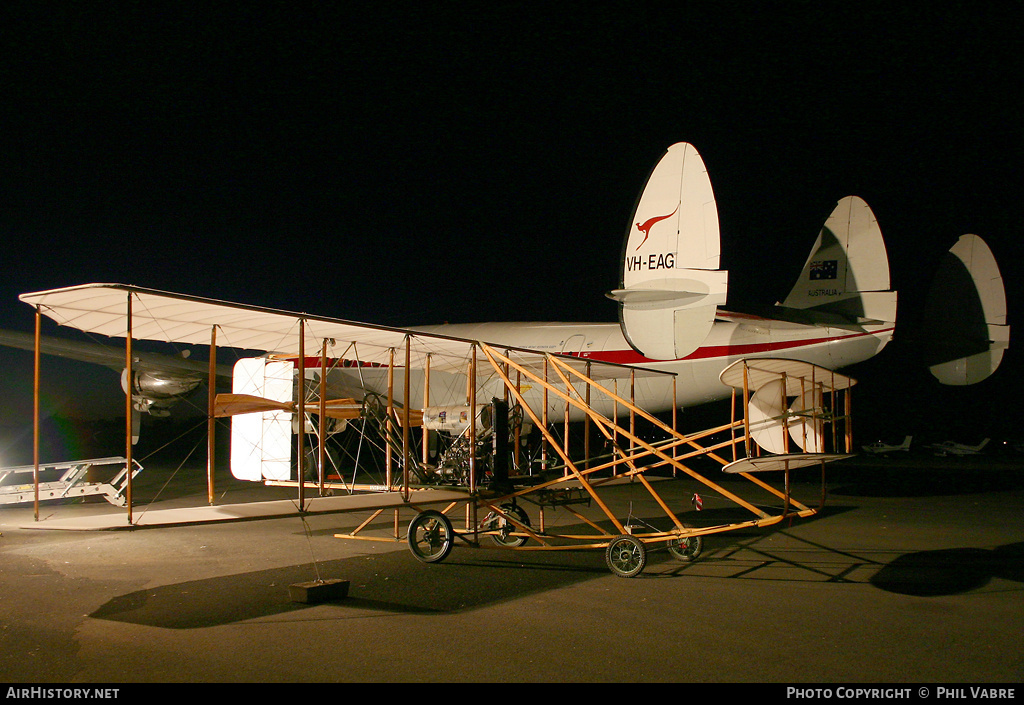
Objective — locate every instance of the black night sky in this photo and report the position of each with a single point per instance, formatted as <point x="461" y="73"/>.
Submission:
<point x="409" y="163"/>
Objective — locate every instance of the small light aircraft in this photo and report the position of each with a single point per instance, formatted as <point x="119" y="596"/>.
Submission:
<point x="959" y="449"/>
<point x="480" y="386"/>
<point x="879" y="448"/>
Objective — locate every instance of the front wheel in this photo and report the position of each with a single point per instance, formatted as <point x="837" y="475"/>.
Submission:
<point x="626" y="556"/>
<point x="431" y="536"/>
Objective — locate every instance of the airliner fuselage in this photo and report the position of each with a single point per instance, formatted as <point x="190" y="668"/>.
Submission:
<point x="733" y="337"/>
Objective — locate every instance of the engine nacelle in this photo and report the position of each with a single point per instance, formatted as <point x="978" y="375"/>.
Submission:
<point x="155" y="392"/>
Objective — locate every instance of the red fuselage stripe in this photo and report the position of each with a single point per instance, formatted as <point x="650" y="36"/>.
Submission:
<point x="631" y="357"/>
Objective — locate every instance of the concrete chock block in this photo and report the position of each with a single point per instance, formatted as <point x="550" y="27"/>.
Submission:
<point x="317" y="591"/>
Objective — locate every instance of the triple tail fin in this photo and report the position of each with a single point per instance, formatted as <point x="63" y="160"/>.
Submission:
<point x="671" y="286"/>
<point x="965" y="328"/>
<point x="846" y="276"/>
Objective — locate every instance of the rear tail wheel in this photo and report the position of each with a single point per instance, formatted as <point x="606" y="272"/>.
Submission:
<point x="431" y="536"/>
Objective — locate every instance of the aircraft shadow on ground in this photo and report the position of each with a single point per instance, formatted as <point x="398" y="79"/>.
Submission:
<point x="931" y="573"/>
<point x="388" y="582"/>
<point x="470" y="578"/>
<point x="473" y="578"/>
<point x="950" y="571"/>
<point x="902" y="480"/>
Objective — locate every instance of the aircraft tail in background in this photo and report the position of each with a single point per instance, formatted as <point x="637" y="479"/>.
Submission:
<point x="965" y="326"/>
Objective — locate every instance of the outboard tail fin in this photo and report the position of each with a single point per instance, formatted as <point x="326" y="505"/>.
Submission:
<point x="671" y="286"/>
<point x="965" y="326"/>
<point x="847" y="272"/>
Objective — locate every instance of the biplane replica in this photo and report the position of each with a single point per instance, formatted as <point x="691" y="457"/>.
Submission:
<point x="451" y="405"/>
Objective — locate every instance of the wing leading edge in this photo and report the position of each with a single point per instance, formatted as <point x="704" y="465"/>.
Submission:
<point x="105" y="309"/>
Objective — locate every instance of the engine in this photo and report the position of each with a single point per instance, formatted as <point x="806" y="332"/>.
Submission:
<point x="155" y="392"/>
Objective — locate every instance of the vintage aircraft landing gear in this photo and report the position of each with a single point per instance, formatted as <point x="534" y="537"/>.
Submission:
<point x="686" y="548"/>
<point x="505" y="528"/>
<point x="431" y="536"/>
<point x="626" y="556"/>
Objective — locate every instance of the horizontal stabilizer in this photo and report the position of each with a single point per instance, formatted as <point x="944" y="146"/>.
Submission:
<point x="690" y="287"/>
<point x="667" y="323"/>
<point x="670" y="285"/>
<point x="965" y="326"/>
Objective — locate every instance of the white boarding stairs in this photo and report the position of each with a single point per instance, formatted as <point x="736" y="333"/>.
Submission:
<point x="64" y="480"/>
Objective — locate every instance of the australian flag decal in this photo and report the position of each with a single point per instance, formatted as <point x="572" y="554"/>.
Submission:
<point x="824" y="269"/>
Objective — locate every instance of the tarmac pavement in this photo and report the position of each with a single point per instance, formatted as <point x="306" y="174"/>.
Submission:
<point x="912" y="574"/>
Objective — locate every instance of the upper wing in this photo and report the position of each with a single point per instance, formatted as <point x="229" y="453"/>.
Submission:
<point x="120" y="310"/>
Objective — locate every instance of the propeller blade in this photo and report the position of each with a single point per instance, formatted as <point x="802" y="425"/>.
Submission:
<point x="234" y="404"/>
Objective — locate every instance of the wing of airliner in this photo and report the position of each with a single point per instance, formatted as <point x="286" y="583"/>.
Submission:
<point x="159" y="381"/>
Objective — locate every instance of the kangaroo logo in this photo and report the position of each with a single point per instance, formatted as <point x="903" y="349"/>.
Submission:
<point x="645" y="227"/>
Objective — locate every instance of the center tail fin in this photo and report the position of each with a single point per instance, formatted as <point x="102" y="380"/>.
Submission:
<point x="847" y="272"/>
<point x="671" y="285"/>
